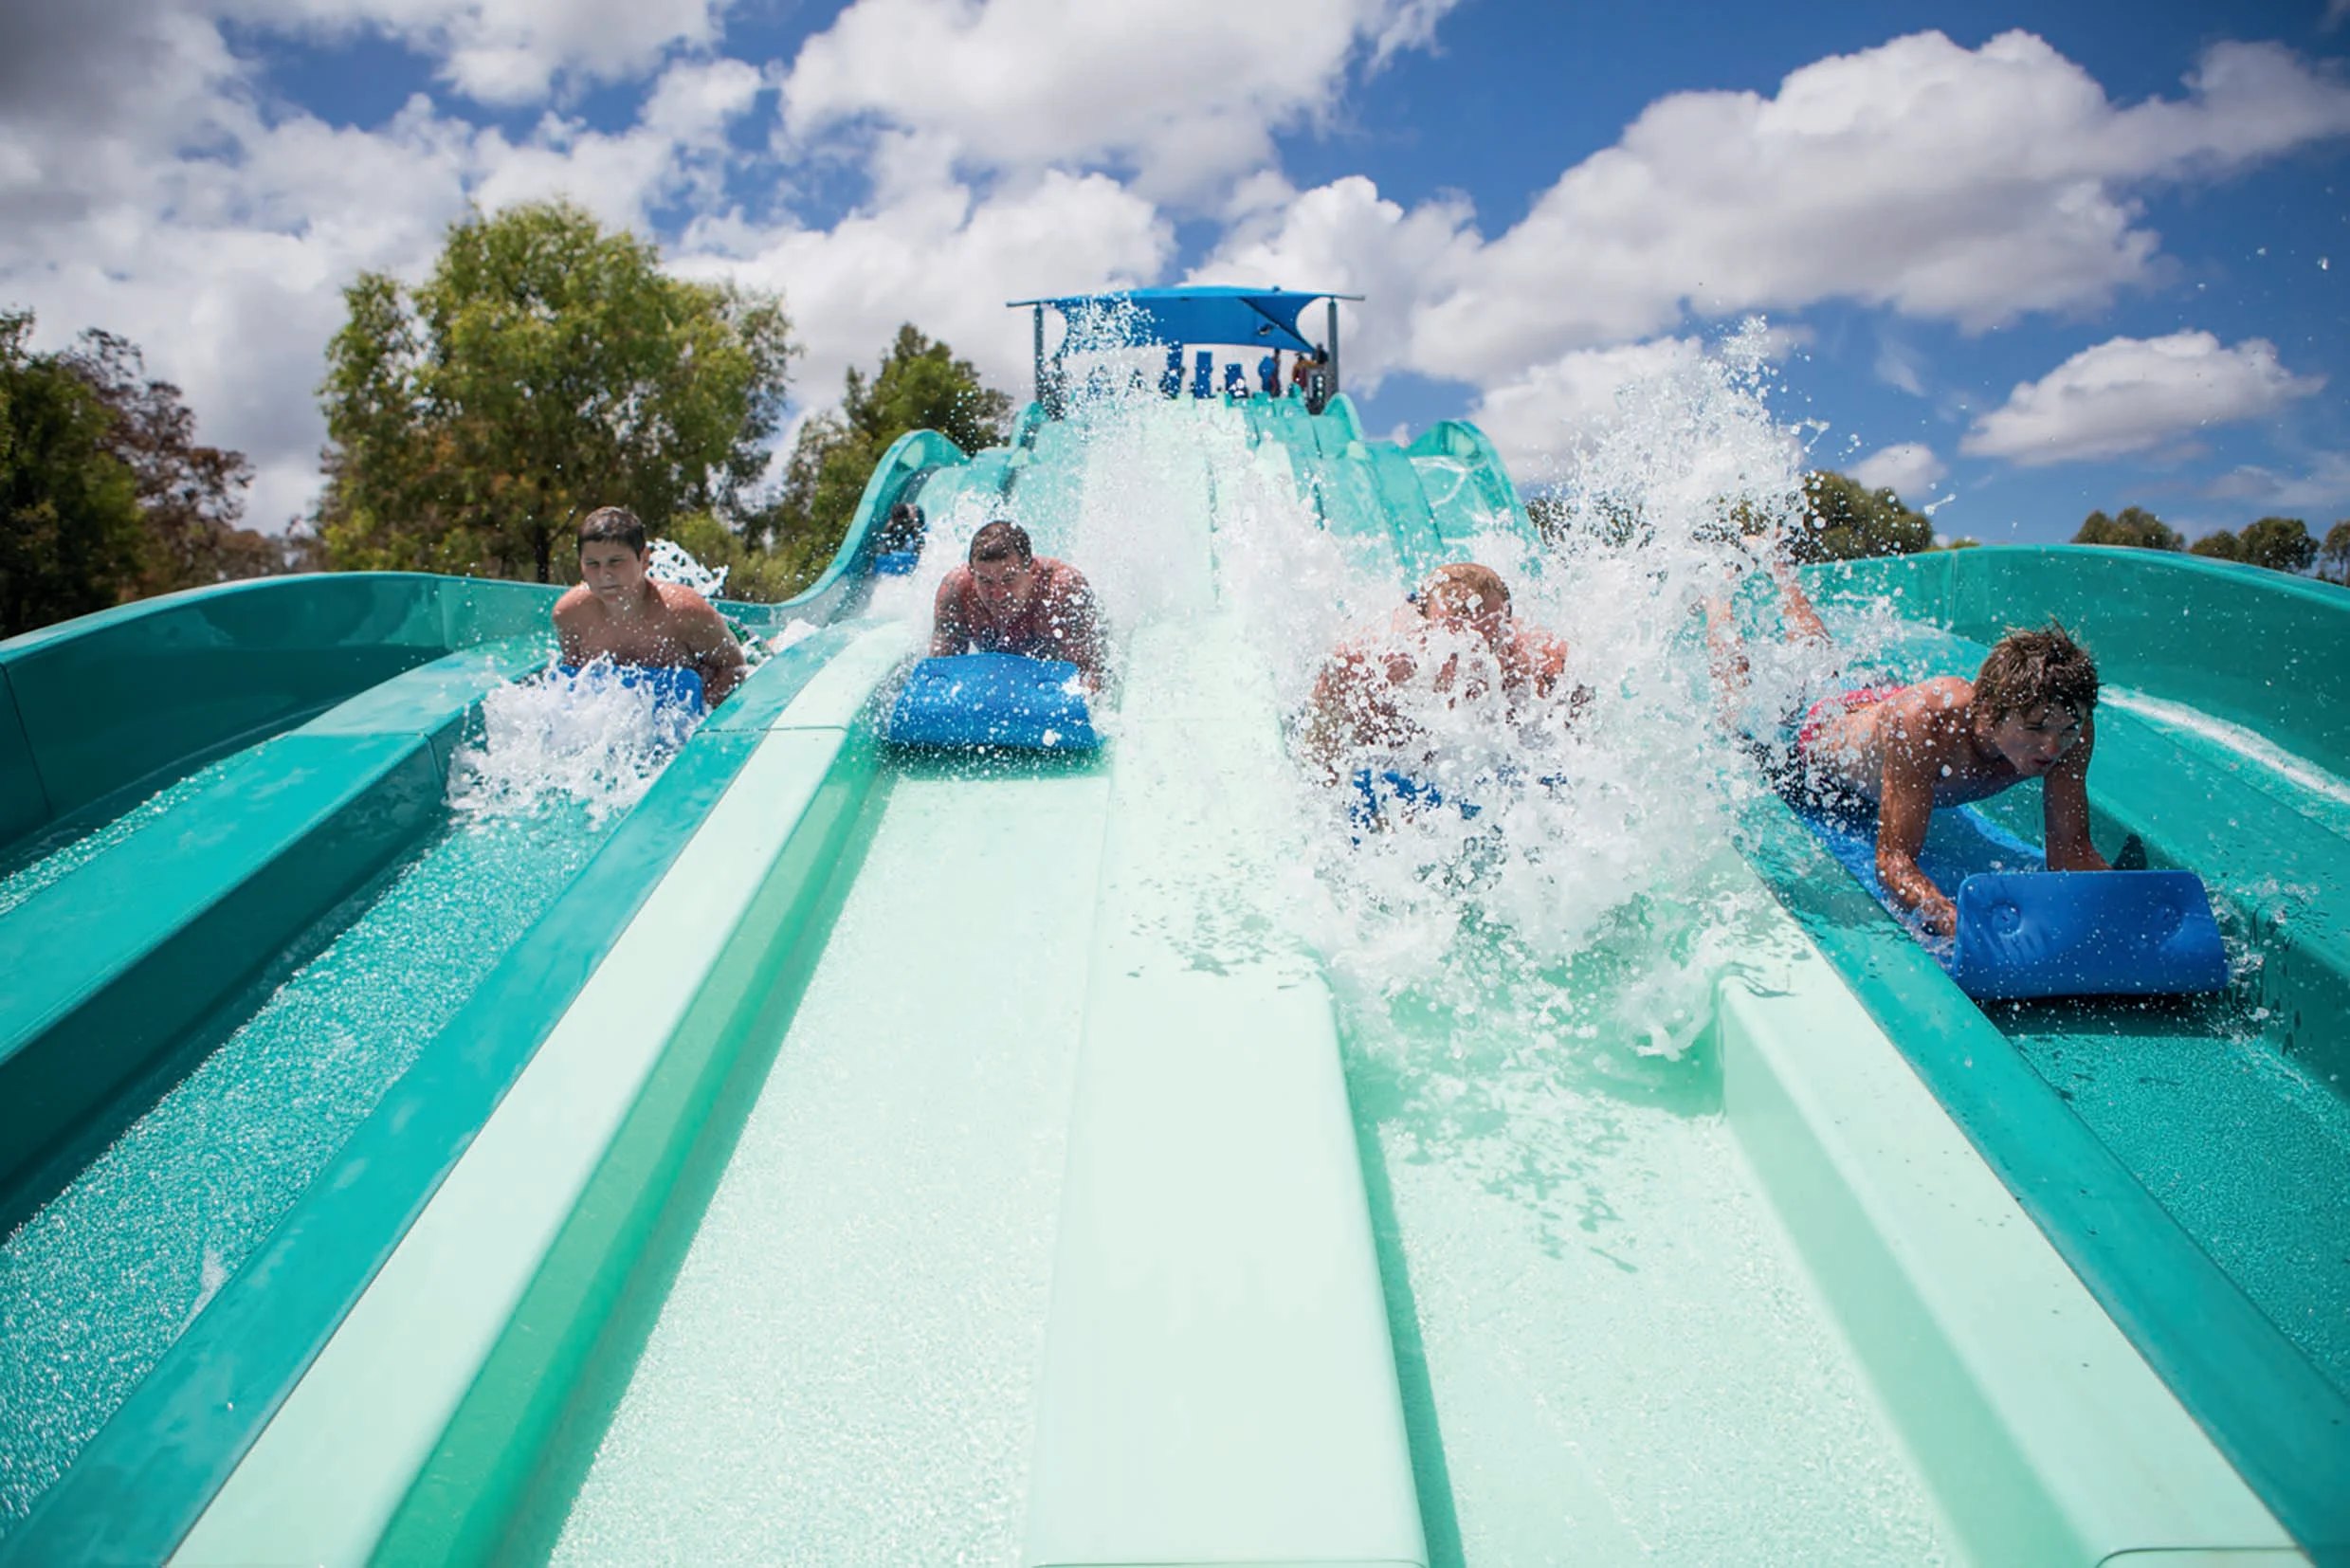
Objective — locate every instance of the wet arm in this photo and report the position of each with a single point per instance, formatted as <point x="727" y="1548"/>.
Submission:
<point x="1905" y="808"/>
<point x="1327" y="732"/>
<point x="2064" y="808"/>
<point x="570" y="647"/>
<point x="949" y="636"/>
<point x="717" y="657"/>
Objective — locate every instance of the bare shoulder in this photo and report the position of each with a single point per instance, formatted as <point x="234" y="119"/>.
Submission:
<point x="1066" y="579"/>
<point x="575" y="604"/>
<point x="696" y="618"/>
<point x="1943" y="693"/>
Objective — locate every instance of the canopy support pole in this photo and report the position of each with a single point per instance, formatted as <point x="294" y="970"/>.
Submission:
<point x="1334" y="347"/>
<point x="1040" y="352"/>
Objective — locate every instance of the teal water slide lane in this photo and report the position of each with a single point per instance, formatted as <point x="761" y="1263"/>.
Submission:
<point x="2191" y="1161"/>
<point x="264" y="664"/>
<point x="532" y="1267"/>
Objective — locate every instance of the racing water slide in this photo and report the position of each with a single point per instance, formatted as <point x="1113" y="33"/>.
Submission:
<point x="843" y="1156"/>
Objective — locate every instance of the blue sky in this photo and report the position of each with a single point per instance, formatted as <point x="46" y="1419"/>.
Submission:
<point x="2022" y="261"/>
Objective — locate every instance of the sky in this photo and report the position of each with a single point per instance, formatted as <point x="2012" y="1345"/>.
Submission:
<point x="2018" y="262"/>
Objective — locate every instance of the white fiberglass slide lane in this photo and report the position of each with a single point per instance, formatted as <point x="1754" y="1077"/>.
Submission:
<point x="844" y="1371"/>
<point x="1219" y="1386"/>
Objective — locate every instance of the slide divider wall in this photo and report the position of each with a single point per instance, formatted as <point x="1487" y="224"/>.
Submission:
<point x="145" y="1477"/>
<point x="113" y="963"/>
<point x="2283" y="1426"/>
<point x="116" y="704"/>
<point x="2046" y="1436"/>
<point x="491" y="1347"/>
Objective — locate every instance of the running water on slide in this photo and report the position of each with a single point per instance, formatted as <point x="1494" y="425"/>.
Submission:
<point x="1141" y="1156"/>
<point x="1601" y="1319"/>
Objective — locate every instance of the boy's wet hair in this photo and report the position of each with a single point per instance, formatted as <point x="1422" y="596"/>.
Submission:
<point x="2030" y="669"/>
<point x="616" y="524"/>
<point x="1002" y="542"/>
<point x="1483" y="581"/>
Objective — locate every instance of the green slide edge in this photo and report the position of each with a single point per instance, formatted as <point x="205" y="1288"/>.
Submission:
<point x="143" y="1479"/>
<point x="120" y="957"/>
<point x="142" y="1483"/>
<point x="109" y="706"/>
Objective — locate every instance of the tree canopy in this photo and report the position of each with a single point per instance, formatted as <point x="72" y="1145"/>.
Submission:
<point x="1850" y="521"/>
<point x="2135" y="528"/>
<point x="2334" y="555"/>
<point x="544" y="368"/>
<point x="104" y="491"/>
<point x="919" y="385"/>
<point x="2280" y="544"/>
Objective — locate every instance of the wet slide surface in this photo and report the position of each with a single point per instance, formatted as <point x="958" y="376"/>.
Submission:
<point x="1619" y="1356"/>
<point x="843" y="1371"/>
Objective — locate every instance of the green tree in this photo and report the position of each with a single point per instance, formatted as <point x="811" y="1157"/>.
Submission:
<point x="1849" y="522"/>
<point x="192" y="496"/>
<point x="2218" y="545"/>
<point x="918" y="386"/>
<point x="2280" y="544"/>
<point x="72" y="539"/>
<point x="2334" y="555"/>
<point x="544" y="369"/>
<point x="2135" y="528"/>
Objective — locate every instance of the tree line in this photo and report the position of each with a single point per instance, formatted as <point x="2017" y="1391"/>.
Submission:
<point x="105" y="493"/>
<point x="543" y="368"/>
<point x="2280" y="544"/>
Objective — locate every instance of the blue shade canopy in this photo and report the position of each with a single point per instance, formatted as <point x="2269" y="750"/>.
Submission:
<point x="1267" y="317"/>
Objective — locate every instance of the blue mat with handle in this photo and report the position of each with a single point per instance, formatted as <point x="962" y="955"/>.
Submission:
<point x="994" y="699"/>
<point x="2025" y="931"/>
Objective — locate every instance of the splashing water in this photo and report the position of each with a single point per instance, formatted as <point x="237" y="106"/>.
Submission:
<point x="555" y="740"/>
<point x="669" y="561"/>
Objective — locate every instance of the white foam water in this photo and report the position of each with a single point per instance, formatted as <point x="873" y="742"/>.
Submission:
<point x="555" y="740"/>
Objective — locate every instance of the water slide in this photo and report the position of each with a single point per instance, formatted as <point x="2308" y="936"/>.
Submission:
<point x="823" y="1153"/>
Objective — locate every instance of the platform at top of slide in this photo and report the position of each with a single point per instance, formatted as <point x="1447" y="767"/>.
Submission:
<point x="855" y="1156"/>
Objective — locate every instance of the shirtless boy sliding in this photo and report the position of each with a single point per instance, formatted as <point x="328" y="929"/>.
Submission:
<point x="2029" y="713"/>
<point x="1357" y="702"/>
<point x="619" y="614"/>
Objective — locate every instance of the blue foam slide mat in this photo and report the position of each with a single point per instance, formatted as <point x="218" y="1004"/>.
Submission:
<point x="994" y="699"/>
<point x="2025" y="931"/>
<point x="2087" y="934"/>
<point x="671" y="686"/>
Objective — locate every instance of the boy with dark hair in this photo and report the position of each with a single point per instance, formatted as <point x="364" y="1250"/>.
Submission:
<point x="619" y="614"/>
<point x="2029" y="713"/>
<point x="1008" y="599"/>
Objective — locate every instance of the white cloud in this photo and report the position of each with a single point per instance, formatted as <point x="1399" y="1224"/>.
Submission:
<point x="2321" y="492"/>
<point x="1346" y="237"/>
<point x="1949" y="184"/>
<point x="1907" y="469"/>
<point x="1541" y="417"/>
<point x="2133" y="394"/>
<point x="512" y="51"/>
<point x="219" y="239"/>
<point x="1185" y="91"/>
<point x="938" y="255"/>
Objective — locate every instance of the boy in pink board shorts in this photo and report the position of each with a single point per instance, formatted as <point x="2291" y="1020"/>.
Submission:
<point x="2029" y="712"/>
